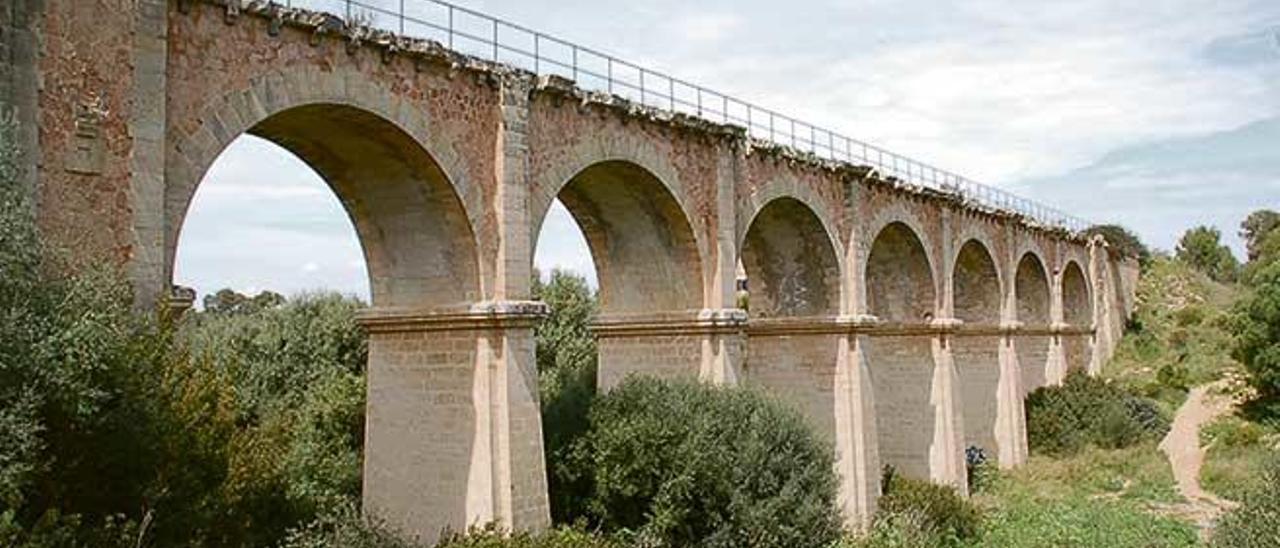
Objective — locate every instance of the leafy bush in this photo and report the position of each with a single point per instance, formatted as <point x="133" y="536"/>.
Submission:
<point x="1087" y="411"/>
<point x="490" y="537"/>
<point x="1256" y="522"/>
<point x="343" y="526"/>
<point x="297" y="368"/>
<point x="1256" y="323"/>
<point x="937" y="511"/>
<point x="684" y="464"/>
<point x="980" y="470"/>
<point x="566" y="357"/>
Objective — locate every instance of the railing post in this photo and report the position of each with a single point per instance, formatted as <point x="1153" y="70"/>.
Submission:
<point x="450" y="26"/>
<point x="495" y="40"/>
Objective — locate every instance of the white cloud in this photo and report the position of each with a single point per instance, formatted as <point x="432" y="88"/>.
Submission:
<point x="707" y="27"/>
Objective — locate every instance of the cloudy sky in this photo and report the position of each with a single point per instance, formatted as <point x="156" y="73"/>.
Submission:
<point x="1157" y="115"/>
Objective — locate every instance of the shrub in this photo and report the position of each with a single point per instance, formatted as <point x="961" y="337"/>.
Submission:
<point x="1175" y="376"/>
<point x="490" y="537"/>
<point x="1256" y="522"/>
<point x="1256" y="323"/>
<point x="1089" y="411"/>
<point x="936" y="510"/>
<point x="684" y="464"/>
<point x="980" y="470"/>
<point x="566" y="356"/>
<point x="343" y="526"/>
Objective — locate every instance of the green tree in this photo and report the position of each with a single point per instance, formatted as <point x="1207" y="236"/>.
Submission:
<point x="686" y="464"/>
<point x="1256" y="323"/>
<point x="1255" y="228"/>
<point x="1201" y="247"/>
<point x="1122" y="240"/>
<point x="1268" y="251"/>
<point x="227" y="301"/>
<point x="566" y="357"/>
<point x="297" y="370"/>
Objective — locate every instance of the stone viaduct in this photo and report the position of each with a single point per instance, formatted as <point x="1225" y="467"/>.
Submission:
<point x="906" y="323"/>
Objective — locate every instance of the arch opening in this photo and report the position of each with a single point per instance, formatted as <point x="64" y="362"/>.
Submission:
<point x="1077" y="312"/>
<point x="976" y="290"/>
<point x="642" y="245"/>
<point x="900" y="290"/>
<point x="415" y="236"/>
<point x="1031" y="286"/>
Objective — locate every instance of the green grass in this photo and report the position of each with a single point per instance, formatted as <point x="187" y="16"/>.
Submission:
<point x="1095" y="498"/>
<point x="1237" y="451"/>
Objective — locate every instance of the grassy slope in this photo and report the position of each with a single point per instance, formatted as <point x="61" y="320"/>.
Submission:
<point x="1096" y="498"/>
<point x="1108" y="497"/>
<point x="1178" y="337"/>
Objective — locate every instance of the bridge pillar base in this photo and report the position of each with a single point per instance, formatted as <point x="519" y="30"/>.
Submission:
<point x="453" y="436"/>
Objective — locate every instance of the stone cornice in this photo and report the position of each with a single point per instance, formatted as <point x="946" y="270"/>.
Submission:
<point x="483" y="315"/>
<point x="693" y="322"/>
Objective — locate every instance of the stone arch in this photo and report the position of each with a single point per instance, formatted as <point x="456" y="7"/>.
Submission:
<point x="1077" y="313"/>
<point x="1032" y="293"/>
<point x="901" y="293"/>
<point x="644" y="248"/>
<point x="976" y="284"/>
<point x="616" y="148"/>
<point x="898" y="274"/>
<point x="976" y="287"/>
<point x="412" y="217"/>
<point x="791" y="259"/>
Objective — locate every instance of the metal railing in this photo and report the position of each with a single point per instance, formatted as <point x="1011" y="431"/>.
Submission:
<point x="474" y="33"/>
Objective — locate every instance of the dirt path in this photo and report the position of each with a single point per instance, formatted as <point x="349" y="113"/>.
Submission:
<point x="1182" y="445"/>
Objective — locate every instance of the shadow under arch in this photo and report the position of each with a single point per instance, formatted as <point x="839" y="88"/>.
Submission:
<point x="1077" y="312"/>
<point x="976" y="348"/>
<point x="417" y="241"/>
<point x="1031" y="288"/>
<point x="900" y="292"/>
